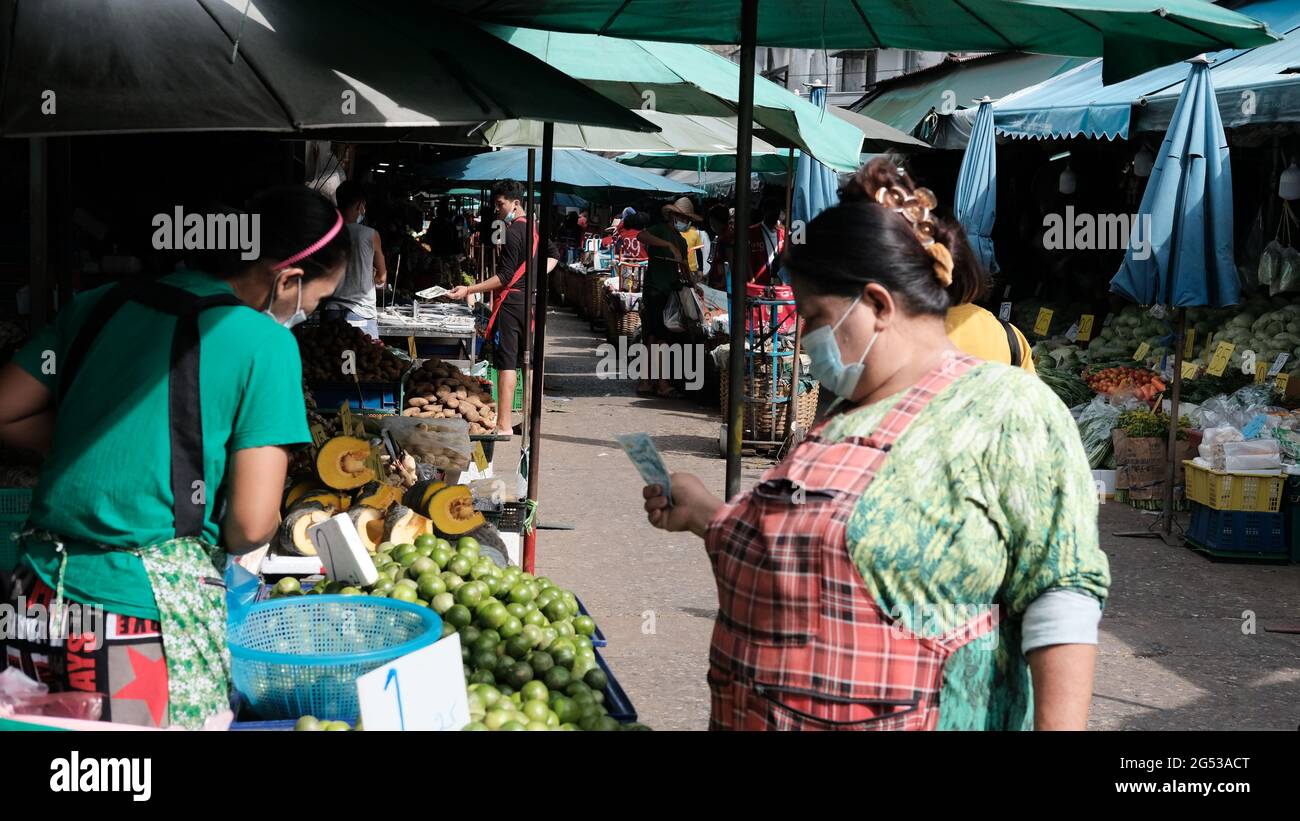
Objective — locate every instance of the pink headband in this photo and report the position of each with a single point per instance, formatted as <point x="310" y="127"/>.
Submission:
<point x="314" y="247"/>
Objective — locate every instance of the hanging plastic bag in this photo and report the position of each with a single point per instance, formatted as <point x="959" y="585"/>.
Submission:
<point x="674" y="316"/>
<point x="1269" y="262"/>
<point x="443" y="443"/>
<point x="241" y="591"/>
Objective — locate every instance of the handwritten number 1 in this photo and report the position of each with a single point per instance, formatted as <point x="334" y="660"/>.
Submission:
<point x="392" y="679"/>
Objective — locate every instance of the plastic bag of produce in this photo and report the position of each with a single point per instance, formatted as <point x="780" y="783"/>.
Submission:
<point x="443" y="443"/>
<point x="1233" y="464"/>
<point x="1269" y="261"/>
<point x="1289" y="442"/>
<point x="1096" y="420"/>
<point x="1288" y="273"/>
<point x="1215" y="438"/>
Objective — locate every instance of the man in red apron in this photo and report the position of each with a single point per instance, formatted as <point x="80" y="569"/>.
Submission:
<point x="507" y="325"/>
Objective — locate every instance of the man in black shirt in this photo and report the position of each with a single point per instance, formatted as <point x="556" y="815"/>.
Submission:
<point x="508" y="324"/>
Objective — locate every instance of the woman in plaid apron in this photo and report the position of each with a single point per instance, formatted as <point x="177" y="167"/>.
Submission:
<point x="949" y="592"/>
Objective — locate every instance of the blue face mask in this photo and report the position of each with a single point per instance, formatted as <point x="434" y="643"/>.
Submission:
<point x="828" y="366"/>
<point x="681" y="226"/>
<point x="509" y="218"/>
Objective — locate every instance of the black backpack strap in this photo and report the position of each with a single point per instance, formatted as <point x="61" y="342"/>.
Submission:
<point x="1013" y="342"/>
<point x="184" y="399"/>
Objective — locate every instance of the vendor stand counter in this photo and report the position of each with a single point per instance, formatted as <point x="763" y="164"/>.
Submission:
<point x="441" y="329"/>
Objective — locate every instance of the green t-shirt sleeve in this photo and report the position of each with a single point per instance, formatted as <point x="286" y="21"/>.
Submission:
<point x="272" y="411"/>
<point x="1048" y="500"/>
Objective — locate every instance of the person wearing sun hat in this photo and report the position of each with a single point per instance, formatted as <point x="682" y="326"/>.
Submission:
<point x="667" y="250"/>
<point x="682" y="213"/>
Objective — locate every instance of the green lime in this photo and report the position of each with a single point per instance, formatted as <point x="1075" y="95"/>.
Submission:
<point x="517" y="647"/>
<point x="420" y="566"/>
<point x="409" y="558"/>
<point x="523" y="592"/>
<point x="470" y="594"/>
<point x="556" y="678"/>
<point x="495" y="616"/>
<point x="458" y="615"/>
<point x="447" y="629"/>
<point x="308" y="724"/>
<point x="536" y="710"/>
<point x="542" y="662"/>
<point x="482" y="677"/>
<point x="564" y="628"/>
<point x="430" y="584"/>
<point x="495" y="719"/>
<point x="535" y="618"/>
<point x="288" y="585"/>
<point x="442" y="556"/>
<point x="404" y="593"/>
<point x="426" y="539"/>
<point x="517" y="610"/>
<point x="386" y="547"/>
<point x="452" y="580"/>
<point x="577" y="689"/>
<point x="336" y="726"/>
<point x="467" y="546"/>
<point x="512" y="627"/>
<point x="563" y="655"/>
<point x="534" y="691"/>
<point x="556" y="610"/>
<point x="474" y="725"/>
<point x="584" y="625"/>
<point x="442" y="603"/>
<point x="411" y="583"/>
<point x="511" y="726"/>
<point x="350" y="591"/>
<point x="426" y="551"/>
<point x="459" y="565"/>
<point x="485" y="660"/>
<point x="567" y="710"/>
<point x="383" y="586"/>
<point x="519" y="675"/>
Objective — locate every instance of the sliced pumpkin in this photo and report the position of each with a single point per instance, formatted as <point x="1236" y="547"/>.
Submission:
<point x="301" y="489"/>
<point x="334" y="501"/>
<point x="341" y="463"/>
<point x="452" y="512"/>
<point x="293" y="539"/>
<point x="417" y="498"/>
<point x="402" y="525"/>
<point x="369" y="523"/>
<point x="378" y="495"/>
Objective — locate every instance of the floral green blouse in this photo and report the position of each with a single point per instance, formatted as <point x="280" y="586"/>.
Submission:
<point x="986" y="498"/>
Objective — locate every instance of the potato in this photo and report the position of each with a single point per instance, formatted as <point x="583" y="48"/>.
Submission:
<point x="417" y="401"/>
<point x="462" y="393"/>
<point x="411" y="412"/>
<point x="429" y="414"/>
<point x="451" y="401"/>
<point x="472" y="399"/>
<point x="469" y="412"/>
<point x="448" y="413"/>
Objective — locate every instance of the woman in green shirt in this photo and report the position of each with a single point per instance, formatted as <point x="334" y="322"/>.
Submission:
<point x="164" y="412"/>
<point x="928" y="557"/>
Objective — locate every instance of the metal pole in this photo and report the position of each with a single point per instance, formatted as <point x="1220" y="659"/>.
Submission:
<point x="530" y="278"/>
<point x="1166" y="525"/>
<point x="740" y="256"/>
<point x="539" y="341"/>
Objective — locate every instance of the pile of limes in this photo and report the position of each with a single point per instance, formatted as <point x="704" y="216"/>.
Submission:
<point x="529" y="659"/>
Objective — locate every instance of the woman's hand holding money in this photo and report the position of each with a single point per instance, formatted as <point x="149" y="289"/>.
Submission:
<point x="693" y="506"/>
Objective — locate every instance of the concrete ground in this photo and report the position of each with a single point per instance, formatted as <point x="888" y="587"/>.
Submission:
<point x="1180" y="649"/>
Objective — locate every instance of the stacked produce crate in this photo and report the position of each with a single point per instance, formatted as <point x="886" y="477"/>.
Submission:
<point x="1236" y="515"/>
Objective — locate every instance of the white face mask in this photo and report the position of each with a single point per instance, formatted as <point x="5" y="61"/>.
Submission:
<point x="299" y="315"/>
<point x="828" y="366"/>
<point x="681" y="226"/>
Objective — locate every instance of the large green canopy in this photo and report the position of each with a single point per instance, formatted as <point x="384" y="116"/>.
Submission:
<point x="679" y="78"/>
<point x="1133" y="35"/>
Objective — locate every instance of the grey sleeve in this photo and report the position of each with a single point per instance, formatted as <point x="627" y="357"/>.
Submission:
<point x="1060" y="616"/>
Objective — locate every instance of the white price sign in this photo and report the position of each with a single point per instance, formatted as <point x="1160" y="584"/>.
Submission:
<point x="1278" y="364"/>
<point x="424" y="690"/>
<point x="1004" y="312"/>
<point x="1073" y="333"/>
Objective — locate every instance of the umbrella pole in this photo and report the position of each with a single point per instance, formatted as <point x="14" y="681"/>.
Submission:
<point x="530" y="278"/>
<point x="539" y="342"/>
<point x="740" y="259"/>
<point x="1167" y="519"/>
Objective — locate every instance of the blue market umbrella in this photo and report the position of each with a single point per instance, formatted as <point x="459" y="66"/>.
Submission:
<point x="1186" y="257"/>
<point x="575" y="172"/>
<point x="815" y="185"/>
<point x="1180" y="251"/>
<point x="977" y="187"/>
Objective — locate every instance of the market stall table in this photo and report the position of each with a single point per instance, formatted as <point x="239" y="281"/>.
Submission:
<point x="443" y="329"/>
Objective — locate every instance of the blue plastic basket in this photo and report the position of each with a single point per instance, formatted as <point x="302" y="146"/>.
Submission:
<point x="371" y="396"/>
<point x="301" y="655"/>
<point x="1236" y="531"/>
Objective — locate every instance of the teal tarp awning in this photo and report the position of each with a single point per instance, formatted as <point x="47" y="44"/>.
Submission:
<point x="1077" y="104"/>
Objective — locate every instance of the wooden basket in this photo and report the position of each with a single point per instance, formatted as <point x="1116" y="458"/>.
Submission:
<point x="761" y="419"/>
<point x="596" y="299"/>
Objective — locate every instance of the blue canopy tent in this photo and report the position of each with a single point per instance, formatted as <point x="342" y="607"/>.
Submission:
<point x="1180" y="252"/>
<point x="576" y="172"/>
<point x="815" y="185"/>
<point x="977" y="187"/>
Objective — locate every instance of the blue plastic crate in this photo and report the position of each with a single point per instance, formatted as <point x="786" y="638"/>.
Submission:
<point x="617" y="704"/>
<point x="1235" y="531"/>
<point x="371" y="396"/>
<point x="597" y="638"/>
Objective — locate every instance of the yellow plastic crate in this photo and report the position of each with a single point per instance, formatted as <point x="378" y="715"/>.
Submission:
<point x="1233" y="491"/>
